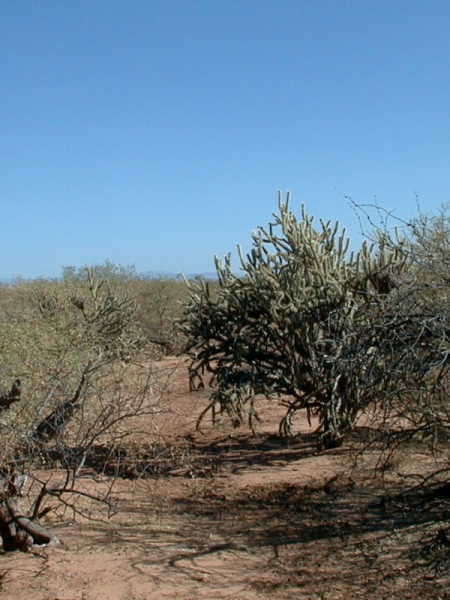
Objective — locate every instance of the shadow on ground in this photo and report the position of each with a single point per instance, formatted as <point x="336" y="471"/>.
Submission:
<point x="343" y="536"/>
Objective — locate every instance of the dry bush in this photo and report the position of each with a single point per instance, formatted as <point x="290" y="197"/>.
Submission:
<point x="72" y="383"/>
<point x="416" y="408"/>
<point x="159" y="302"/>
<point x="407" y="436"/>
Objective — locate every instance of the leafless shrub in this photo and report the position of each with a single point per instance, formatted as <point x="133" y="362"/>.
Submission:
<point x="71" y="351"/>
<point x="410" y="421"/>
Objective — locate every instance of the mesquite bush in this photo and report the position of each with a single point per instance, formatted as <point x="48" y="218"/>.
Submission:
<point x="308" y="321"/>
<point x="415" y="334"/>
<point x="70" y="384"/>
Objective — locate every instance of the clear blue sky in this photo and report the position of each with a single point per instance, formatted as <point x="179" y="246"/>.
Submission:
<point x="157" y="132"/>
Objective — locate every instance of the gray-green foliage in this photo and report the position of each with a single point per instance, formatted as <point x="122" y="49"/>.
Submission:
<point x="430" y="245"/>
<point x="107" y="271"/>
<point x="306" y="320"/>
<point x="159" y="307"/>
<point x="158" y="301"/>
<point x="70" y="387"/>
<point x="54" y="335"/>
<point x="426" y="312"/>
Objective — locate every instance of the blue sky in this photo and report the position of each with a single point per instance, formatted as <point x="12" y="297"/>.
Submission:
<point x="157" y="133"/>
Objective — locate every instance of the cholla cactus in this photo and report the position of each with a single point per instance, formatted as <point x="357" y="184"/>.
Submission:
<point x="299" y="321"/>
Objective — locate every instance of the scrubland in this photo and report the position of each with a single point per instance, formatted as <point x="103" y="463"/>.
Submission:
<point x="282" y="433"/>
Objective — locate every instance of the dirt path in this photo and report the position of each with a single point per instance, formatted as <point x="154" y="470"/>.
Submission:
<point x="241" y="517"/>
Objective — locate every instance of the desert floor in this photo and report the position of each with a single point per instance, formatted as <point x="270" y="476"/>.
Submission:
<point x="237" y="515"/>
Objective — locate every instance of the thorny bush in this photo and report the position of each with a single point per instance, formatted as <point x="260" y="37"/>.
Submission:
<point x="68" y="356"/>
<point x="322" y="328"/>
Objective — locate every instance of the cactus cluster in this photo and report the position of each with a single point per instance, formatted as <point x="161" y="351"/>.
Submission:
<point x="298" y="322"/>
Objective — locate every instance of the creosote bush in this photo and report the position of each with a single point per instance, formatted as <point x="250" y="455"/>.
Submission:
<point x="327" y="330"/>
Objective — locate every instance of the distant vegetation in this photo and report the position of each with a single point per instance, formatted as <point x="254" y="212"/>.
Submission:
<point x="159" y="299"/>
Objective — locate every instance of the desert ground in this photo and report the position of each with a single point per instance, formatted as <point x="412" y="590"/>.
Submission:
<point x="231" y="514"/>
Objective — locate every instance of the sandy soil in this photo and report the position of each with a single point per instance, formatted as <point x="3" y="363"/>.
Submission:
<point x="237" y="516"/>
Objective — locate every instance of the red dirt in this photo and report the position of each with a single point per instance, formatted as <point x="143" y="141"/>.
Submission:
<point x="238" y="516"/>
